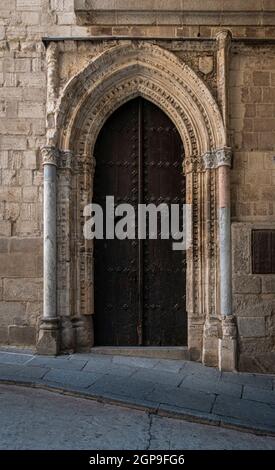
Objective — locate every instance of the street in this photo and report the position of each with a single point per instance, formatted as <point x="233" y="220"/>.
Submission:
<point x="38" y="419"/>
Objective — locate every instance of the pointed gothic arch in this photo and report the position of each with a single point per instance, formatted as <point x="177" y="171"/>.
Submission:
<point x="75" y="118"/>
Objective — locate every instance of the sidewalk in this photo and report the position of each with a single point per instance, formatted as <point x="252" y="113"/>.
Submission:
<point x="181" y="389"/>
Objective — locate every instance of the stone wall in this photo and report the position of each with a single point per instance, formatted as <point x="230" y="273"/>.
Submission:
<point x="252" y="98"/>
<point x="23" y="24"/>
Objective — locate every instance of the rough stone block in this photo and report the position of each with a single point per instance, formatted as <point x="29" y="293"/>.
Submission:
<point x="268" y="284"/>
<point x="18" y="264"/>
<point x="30" y="18"/>
<point x="247" y="284"/>
<point x="227" y="354"/>
<point x="261" y="78"/>
<point x="28" y="5"/>
<point x="252" y="305"/>
<point x="12" y="313"/>
<point x="13" y="142"/>
<point x="22" y="335"/>
<point x="26" y="245"/>
<point x="240" y="247"/>
<point x="22" y="65"/>
<point x="5" y="228"/>
<point x="251" y="327"/>
<point x="31" y="109"/>
<point x="23" y="289"/>
<point x="30" y="194"/>
<point x="4" y="245"/>
<point x="4" y="335"/>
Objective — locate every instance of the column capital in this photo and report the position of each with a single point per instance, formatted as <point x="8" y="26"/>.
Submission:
<point x="49" y="155"/>
<point x="224" y="157"/>
<point x="216" y="158"/>
<point x="66" y="159"/>
<point x="209" y="160"/>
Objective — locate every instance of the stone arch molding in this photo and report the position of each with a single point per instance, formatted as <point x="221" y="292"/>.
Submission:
<point x="74" y="120"/>
<point x="124" y="72"/>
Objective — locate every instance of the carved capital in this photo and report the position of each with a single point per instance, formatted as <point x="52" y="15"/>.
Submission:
<point x="229" y="328"/>
<point x="216" y="158"/>
<point x="49" y="155"/>
<point x="188" y="165"/>
<point x="66" y="159"/>
<point x="224" y="157"/>
<point x="209" y="160"/>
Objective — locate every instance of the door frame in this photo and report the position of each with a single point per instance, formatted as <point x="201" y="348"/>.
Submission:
<point x="75" y="117"/>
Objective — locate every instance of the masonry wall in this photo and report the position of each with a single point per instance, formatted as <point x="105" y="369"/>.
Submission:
<point x="252" y="98"/>
<point x="23" y="23"/>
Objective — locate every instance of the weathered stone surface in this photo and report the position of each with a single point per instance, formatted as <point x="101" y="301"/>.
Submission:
<point x="247" y="284"/>
<point x="251" y="327"/>
<point x="268" y="284"/>
<point x="22" y="289"/>
<point x="22" y="335"/>
<point x="12" y="313"/>
<point x="25" y="70"/>
<point x="4" y="335"/>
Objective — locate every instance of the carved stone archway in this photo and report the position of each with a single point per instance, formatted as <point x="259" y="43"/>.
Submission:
<point x="74" y="119"/>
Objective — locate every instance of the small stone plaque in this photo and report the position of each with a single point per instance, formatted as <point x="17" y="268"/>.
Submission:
<point x="263" y="251"/>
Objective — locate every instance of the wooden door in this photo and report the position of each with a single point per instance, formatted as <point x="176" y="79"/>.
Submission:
<point x="139" y="284"/>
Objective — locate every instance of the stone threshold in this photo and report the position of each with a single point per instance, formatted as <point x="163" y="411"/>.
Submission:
<point x="162" y="352"/>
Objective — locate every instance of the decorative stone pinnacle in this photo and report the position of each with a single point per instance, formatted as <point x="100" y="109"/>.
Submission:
<point x="49" y="155"/>
<point x="223" y="38"/>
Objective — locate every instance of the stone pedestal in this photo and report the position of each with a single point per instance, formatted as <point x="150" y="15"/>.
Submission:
<point x="67" y="336"/>
<point x="210" y="355"/>
<point x="83" y="327"/>
<point x="227" y="354"/>
<point x="48" y="342"/>
<point x="228" y="345"/>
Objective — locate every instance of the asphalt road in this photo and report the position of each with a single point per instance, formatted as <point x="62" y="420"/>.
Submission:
<point x="38" y="419"/>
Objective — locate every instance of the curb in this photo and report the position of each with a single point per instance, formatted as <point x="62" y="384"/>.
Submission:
<point x="165" y="410"/>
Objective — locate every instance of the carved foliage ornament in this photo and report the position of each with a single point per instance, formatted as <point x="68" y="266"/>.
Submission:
<point x="216" y="158"/>
<point x="49" y="155"/>
<point x="185" y="93"/>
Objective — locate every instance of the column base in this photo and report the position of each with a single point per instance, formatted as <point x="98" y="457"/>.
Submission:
<point x="83" y="327"/>
<point x="210" y="350"/>
<point x="228" y="344"/>
<point x="48" y="343"/>
<point x="67" y="336"/>
<point x="228" y="354"/>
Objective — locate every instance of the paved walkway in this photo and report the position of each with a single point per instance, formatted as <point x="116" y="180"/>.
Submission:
<point x="179" y="389"/>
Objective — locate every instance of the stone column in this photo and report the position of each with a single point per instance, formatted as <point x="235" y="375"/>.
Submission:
<point x="65" y="273"/>
<point x="83" y="321"/>
<point x="227" y="344"/>
<point x="212" y="323"/>
<point x="48" y="339"/>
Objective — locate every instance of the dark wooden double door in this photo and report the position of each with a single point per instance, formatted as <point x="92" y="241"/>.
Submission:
<point x="139" y="285"/>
